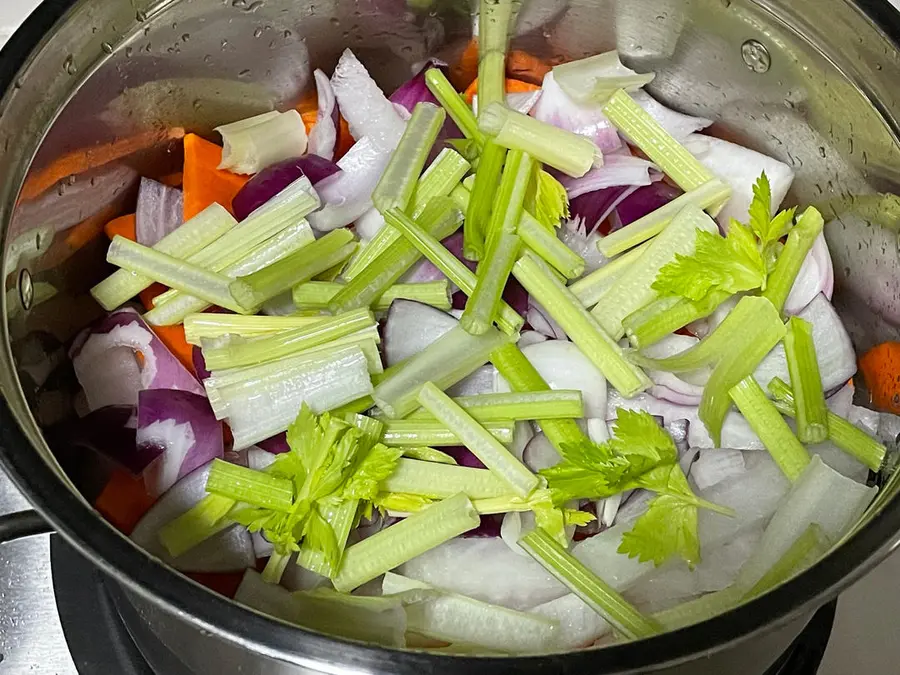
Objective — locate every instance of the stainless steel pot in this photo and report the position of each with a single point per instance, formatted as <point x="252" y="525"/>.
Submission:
<point x="812" y="82"/>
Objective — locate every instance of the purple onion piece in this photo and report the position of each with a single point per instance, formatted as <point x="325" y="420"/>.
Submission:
<point x="199" y="363"/>
<point x="160" y="210"/>
<point x="464" y="457"/>
<point x="594" y="207"/>
<point x="415" y="91"/>
<point x="490" y="527"/>
<point x="273" y="179"/>
<point x="644" y="200"/>
<point x="277" y="445"/>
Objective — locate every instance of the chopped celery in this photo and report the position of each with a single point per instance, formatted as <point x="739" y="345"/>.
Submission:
<point x="172" y="272"/>
<point x="481" y="200"/>
<point x="655" y="142"/>
<point x="405" y="433"/>
<point x="583" y="328"/>
<point x="848" y="437"/>
<point x="661" y="317"/>
<point x="710" y="194"/>
<point x="398" y="182"/>
<point x="440" y="218"/>
<point x="547" y="245"/>
<point x="317" y="294"/>
<point x="701" y="608"/>
<point x="570" y="153"/>
<point x="494" y="20"/>
<point x="590" y="289"/>
<point x="598" y="595"/>
<point x="255" y="289"/>
<point x="445" y="362"/>
<point x="453" y="103"/>
<point x="405" y="540"/>
<point x="360" y="405"/>
<point x="456" y="271"/>
<point x="196" y="525"/>
<point x="493" y="274"/>
<point x="544" y="405"/>
<point x="634" y="288"/>
<point x="808" y="548"/>
<point x="809" y="397"/>
<point x="799" y="240"/>
<point x="439" y="481"/>
<point x="340" y="517"/>
<point x="596" y="78"/>
<point x="480" y="441"/>
<point x="764" y="418"/>
<point x="251" y="487"/>
<point x="253" y="144"/>
<point x="429" y="455"/>
<point x="197" y="233"/>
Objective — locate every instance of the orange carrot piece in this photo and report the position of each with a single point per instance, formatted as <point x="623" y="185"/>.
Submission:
<point x="526" y="67"/>
<point x="124" y="226"/>
<point x="309" y="102"/>
<point x="204" y="183"/>
<point x="174" y="180"/>
<point x="880" y="368"/>
<point x="88" y="229"/>
<point x="173" y="338"/>
<point x="309" y="119"/>
<point x="466" y="69"/>
<point x="124" y="500"/>
<point x="149" y="294"/>
<point x="512" y="87"/>
<point x="344" y="141"/>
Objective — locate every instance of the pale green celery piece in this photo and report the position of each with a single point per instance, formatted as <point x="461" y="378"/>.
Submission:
<point x="317" y="294"/>
<point x="708" y="195"/>
<point x="247" y="352"/>
<point x="208" y="325"/>
<point x="360" y="405"/>
<point x="439" y="180"/>
<point x="806" y="382"/>
<point x="275" y="567"/>
<point x="439" y="481"/>
<point x="579" y="78"/>
<point x="700" y="609"/>
<point x="429" y="455"/>
<point x="453" y="103"/>
<point x="634" y="288"/>
<point x="481" y="199"/>
<point x="405" y="540"/>
<point x="441" y="218"/>
<point x="494" y="23"/>
<point x="557" y="404"/>
<point x="493" y="274"/>
<point x="250" y="145"/>
<point x="398" y="182"/>
<point x="807" y="549"/>
<point x="848" y="437"/>
<point x="800" y="239"/>
<point x="480" y="441"/>
<point x="581" y="327"/>
<point x="172" y="272"/>
<point x="251" y="487"/>
<point x="548" y="246"/>
<point x="591" y="288"/>
<point x="570" y="153"/>
<point x="599" y="596"/>
<point x="198" y="232"/>
<point x="507" y="318"/>
<point x="764" y="418"/>
<point x="655" y="142"/>
<point x="749" y="321"/>
<point x="341" y="517"/>
<point x="406" y="433"/>
<point x="523" y="377"/>
<point x="255" y="289"/>
<point x="664" y="316"/>
<point x="446" y="361"/>
<point x="196" y="525"/>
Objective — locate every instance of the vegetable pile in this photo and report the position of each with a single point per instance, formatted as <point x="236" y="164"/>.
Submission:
<point x="511" y="365"/>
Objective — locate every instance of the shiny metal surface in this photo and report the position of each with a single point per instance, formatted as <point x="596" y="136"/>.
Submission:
<point x="112" y="69"/>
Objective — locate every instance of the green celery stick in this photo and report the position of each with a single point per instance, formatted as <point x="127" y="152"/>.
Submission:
<point x="316" y="295"/>
<point x="416" y="433"/>
<point x="453" y="103"/>
<point x="481" y="201"/>
<point x="547" y="245"/>
<point x="809" y="397"/>
<point x="800" y="239"/>
<point x="590" y="288"/>
<point x="533" y="405"/>
<point x="439" y="481"/>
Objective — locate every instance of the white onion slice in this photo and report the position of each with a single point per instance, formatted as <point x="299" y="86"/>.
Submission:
<point x="412" y="326"/>
<point x="715" y="465"/>
<point x="679" y="125"/>
<point x="323" y="136"/>
<point x="816" y="276"/>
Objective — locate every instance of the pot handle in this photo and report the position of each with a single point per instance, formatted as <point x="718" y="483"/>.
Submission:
<point x="22" y="524"/>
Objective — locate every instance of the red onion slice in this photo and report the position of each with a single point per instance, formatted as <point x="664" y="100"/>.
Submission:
<point x="160" y="210"/>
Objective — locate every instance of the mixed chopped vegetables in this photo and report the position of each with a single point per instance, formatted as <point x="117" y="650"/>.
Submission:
<point x="507" y="364"/>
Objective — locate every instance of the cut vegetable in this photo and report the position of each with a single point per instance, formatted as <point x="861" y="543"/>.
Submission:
<point x="453" y="103"/>
<point x="596" y="78"/>
<point x="481" y="201"/>
<point x="809" y="398"/>
<point x="558" y="404"/>
<point x="253" y="144"/>
<point x="799" y="241"/>
<point x="317" y="295"/>
<point x="494" y="20"/>
<point x="440" y="481"/>
<point x="419" y="432"/>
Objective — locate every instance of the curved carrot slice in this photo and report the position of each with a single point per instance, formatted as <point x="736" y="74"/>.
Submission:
<point x="204" y="183"/>
<point x="466" y="69"/>
<point x="123" y="226"/>
<point x="173" y="338"/>
<point x="124" y="500"/>
<point x="309" y="119"/>
<point x="880" y="368"/>
<point x="526" y="67"/>
<point x="512" y="87"/>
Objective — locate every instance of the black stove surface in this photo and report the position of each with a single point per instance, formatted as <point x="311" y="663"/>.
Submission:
<point x="89" y="606"/>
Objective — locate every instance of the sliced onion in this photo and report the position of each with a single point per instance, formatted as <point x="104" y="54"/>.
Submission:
<point x="679" y="125"/>
<point x="715" y="465"/>
<point x="369" y="224"/>
<point x="642" y="201"/>
<point x="816" y="276"/>
<point x="415" y="90"/>
<point x="273" y="179"/>
<point x="556" y="107"/>
<point x="574" y="235"/>
<point x="617" y="170"/>
<point x="259" y="460"/>
<point x="323" y="136"/>
<point x="523" y="432"/>
<point x="411" y="327"/>
<point x="530" y="337"/>
<point x="540" y="454"/>
<point x="841" y="401"/>
<point x="479" y="382"/>
<point x="595" y="207"/>
<point x="539" y="319"/>
<point x="160" y="210"/>
<point x="514" y="526"/>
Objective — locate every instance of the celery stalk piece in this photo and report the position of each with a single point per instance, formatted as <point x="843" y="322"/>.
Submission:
<point x="208" y="325"/>
<point x="172" y="272"/>
<point x="517" y="174"/>
<point x="547" y="245"/>
<point x="581" y="327"/>
<point x="544" y="405"/>
<point x="708" y="195"/>
<point x="456" y="107"/>
<point x="317" y="294"/>
<point x="493" y="274"/>
<point x="430" y="455"/>
<point x="253" y="144"/>
<point x="634" y="288"/>
<point x="415" y="433"/>
<point x="360" y="405"/>
<point x="439" y="481"/>
<point x="405" y="540"/>
<point x="285" y="343"/>
<point x="197" y="233"/>
<point x="341" y="517"/>
<point x="598" y="595"/>
<point x="591" y="288"/>
<point x="196" y="525"/>
<point x="807" y="549"/>
<point x="800" y="239"/>
<point x="848" y="437"/>
<point x="441" y="218"/>
<point x="445" y="362"/>
<point x="700" y="609"/>
<point x="298" y="267"/>
<point x="809" y="397"/>
<point x="582" y="80"/>
<point x="494" y="22"/>
<point x="398" y="182"/>
<point x="570" y="153"/>
<point x="655" y="142"/>
<point x="440" y="178"/>
<point x="476" y="438"/>
<point x="523" y="377"/>
<point x="769" y="425"/>
<point x="652" y="323"/>
<point x="251" y="487"/>
<point x="481" y="199"/>
<point x="507" y="318"/>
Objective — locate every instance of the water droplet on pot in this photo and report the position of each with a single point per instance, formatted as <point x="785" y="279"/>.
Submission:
<point x="185" y="37"/>
<point x="258" y="33"/>
<point x="140" y="16"/>
<point x="69" y="65"/>
<point x="128" y="52"/>
<point x="244" y="73"/>
<point x="822" y="151"/>
<point x="106" y="47"/>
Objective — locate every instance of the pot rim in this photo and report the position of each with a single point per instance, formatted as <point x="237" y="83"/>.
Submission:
<point x="156" y="582"/>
